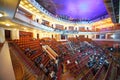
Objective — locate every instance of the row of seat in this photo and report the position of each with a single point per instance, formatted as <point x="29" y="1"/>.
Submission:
<point x="53" y="44"/>
<point x="33" y="50"/>
<point x="29" y="45"/>
<point x="73" y="65"/>
<point x="84" y="70"/>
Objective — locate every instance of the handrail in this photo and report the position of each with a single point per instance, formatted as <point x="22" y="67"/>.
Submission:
<point x="59" y="72"/>
<point x="87" y="74"/>
<point x="108" y="72"/>
<point x="42" y="9"/>
<point x="98" y="72"/>
<point x="50" y="54"/>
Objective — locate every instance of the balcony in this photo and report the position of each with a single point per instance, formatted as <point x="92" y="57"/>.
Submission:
<point x="22" y="18"/>
<point x="29" y="21"/>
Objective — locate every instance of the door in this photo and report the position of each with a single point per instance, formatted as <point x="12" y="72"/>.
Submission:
<point x="7" y="35"/>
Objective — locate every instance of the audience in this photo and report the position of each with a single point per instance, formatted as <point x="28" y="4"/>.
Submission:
<point x="84" y="49"/>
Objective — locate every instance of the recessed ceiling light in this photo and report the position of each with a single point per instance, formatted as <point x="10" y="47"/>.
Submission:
<point x="24" y="28"/>
<point x="7" y="24"/>
<point x="1" y="15"/>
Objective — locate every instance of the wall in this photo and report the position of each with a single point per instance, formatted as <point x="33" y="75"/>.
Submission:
<point x="107" y="43"/>
<point x="34" y="34"/>
<point x="2" y="35"/>
<point x="14" y="34"/>
<point x="57" y="37"/>
<point x="70" y="35"/>
<point x="43" y="34"/>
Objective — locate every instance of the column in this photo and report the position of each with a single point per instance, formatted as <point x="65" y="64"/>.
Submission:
<point x="14" y="34"/>
<point x="2" y="35"/>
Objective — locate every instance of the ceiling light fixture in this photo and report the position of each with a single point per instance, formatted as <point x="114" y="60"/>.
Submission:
<point x="24" y="28"/>
<point x="7" y="24"/>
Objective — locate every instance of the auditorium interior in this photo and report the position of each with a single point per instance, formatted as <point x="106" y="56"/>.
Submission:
<point x="59" y="39"/>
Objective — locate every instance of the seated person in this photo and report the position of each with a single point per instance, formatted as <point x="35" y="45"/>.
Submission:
<point x="41" y="65"/>
<point x="27" y="50"/>
<point x="32" y="52"/>
<point x="38" y="59"/>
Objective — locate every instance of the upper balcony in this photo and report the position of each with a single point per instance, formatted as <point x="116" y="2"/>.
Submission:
<point x="27" y="20"/>
<point x="64" y="19"/>
<point x="26" y="16"/>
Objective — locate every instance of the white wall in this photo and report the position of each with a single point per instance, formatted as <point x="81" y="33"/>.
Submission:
<point x="34" y="34"/>
<point x="2" y="35"/>
<point x="70" y="35"/>
<point x="90" y="36"/>
<point x="14" y="34"/>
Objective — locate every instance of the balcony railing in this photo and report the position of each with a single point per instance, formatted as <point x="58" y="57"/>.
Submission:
<point x="22" y="17"/>
<point x="43" y="10"/>
<point x="29" y="21"/>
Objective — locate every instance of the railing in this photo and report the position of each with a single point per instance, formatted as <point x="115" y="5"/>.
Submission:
<point x="87" y="74"/>
<point x="39" y="7"/>
<point x="59" y="72"/>
<point x="22" y="17"/>
<point x="31" y="22"/>
<point x="108" y="72"/>
<point x="43" y="27"/>
<point x="98" y="73"/>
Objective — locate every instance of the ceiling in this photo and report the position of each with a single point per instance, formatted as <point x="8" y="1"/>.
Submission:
<point x="75" y="10"/>
<point x="8" y="17"/>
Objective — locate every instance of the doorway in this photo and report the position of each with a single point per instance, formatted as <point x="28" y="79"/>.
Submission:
<point x="37" y="36"/>
<point x="7" y="35"/>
